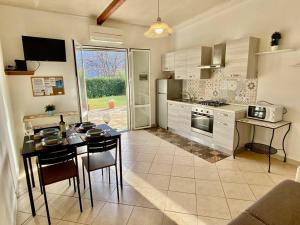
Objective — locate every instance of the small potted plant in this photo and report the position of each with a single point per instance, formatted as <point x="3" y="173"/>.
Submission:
<point x="275" y="41"/>
<point x="50" y="109"/>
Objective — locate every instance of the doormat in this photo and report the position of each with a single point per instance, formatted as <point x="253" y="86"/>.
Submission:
<point x="204" y="152"/>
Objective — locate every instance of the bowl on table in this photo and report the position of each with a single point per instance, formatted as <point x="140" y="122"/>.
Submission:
<point x="49" y="132"/>
<point x="94" y="133"/>
<point x="51" y="141"/>
<point x="86" y="126"/>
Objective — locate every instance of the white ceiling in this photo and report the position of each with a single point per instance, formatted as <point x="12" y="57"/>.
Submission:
<point x="142" y="12"/>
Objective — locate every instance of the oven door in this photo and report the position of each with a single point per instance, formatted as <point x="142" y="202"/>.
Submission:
<point x="202" y="123"/>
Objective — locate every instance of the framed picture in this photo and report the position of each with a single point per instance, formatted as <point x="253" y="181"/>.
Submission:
<point x="47" y="86"/>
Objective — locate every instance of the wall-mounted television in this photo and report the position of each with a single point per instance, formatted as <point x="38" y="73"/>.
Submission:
<point x="44" y="49"/>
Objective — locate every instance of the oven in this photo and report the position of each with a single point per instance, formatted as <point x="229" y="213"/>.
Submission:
<point x="202" y="120"/>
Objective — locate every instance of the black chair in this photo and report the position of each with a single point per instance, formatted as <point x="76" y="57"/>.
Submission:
<point x="57" y="164"/>
<point x="99" y="157"/>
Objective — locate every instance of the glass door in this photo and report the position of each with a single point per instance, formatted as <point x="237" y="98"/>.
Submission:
<point x="140" y="88"/>
<point x="80" y="74"/>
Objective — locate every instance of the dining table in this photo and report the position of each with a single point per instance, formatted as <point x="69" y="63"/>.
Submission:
<point x="32" y="147"/>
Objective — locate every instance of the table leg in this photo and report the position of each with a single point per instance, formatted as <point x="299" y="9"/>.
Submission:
<point x="120" y="162"/>
<point x="29" y="186"/>
<point x="31" y="173"/>
<point x="238" y="140"/>
<point x="253" y="137"/>
<point x="270" y="147"/>
<point x="283" y="141"/>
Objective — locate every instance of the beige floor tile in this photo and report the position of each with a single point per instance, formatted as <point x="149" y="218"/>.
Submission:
<point x="172" y="218"/>
<point x="251" y="166"/>
<point x="198" y="162"/>
<point x="238" y="206"/>
<point x="231" y="176"/>
<point x="212" y="207"/>
<point x="63" y="222"/>
<point x="209" y="188"/>
<point x="161" y="168"/>
<point x="135" y="179"/>
<point x="204" y="173"/>
<point x="181" y="184"/>
<point x="183" y="171"/>
<point x="277" y="178"/>
<point x="58" y="206"/>
<point x="227" y="165"/>
<point x="41" y="220"/>
<point x="145" y="216"/>
<point x="155" y="198"/>
<point x="184" y="160"/>
<point x="22" y="217"/>
<point x="88" y="214"/>
<point x="63" y="188"/>
<point x="260" y="190"/>
<point x="24" y="203"/>
<point x="238" y="191"/>
<point x="145" y="157"/>
<point x="164" y="158"/>
<point x="181" y="202"/>
<point x="166" y="150"/>
<point x="101" y="191"/>
<point x="140" y="167"/>
<point x="166" y="144"/>
<point x="158" y="181"/>
<point x="257" y="178"/>
<point x="182" y="152"/>
<point x="113" y="214"/>
<point x="211" y="221"/>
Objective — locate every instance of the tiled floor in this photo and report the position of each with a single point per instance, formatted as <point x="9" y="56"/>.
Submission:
<point x="164" y="185"/>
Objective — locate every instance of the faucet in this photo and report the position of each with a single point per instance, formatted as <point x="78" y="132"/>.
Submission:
<point x="191" y="98"/>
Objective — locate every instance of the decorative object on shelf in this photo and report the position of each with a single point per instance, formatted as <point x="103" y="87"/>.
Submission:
<point x="47" y="86"/>
<point x="50" y="109"/>
<point x="158" y="29"/>
<point x="275" y="41"/>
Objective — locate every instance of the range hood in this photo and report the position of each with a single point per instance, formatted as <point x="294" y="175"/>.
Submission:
<point x="218" y="58"/>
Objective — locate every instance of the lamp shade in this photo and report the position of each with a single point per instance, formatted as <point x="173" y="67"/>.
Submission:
<point x="158" y="29"/>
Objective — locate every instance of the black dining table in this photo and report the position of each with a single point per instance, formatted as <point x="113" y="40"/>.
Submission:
<point x="72" y="139"/>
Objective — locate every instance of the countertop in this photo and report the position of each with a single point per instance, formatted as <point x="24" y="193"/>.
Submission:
<point x="231" y="107"/>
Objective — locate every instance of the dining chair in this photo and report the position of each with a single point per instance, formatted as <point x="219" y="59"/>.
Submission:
<point x="57" y="164"/>
<point x="99" y="156"/>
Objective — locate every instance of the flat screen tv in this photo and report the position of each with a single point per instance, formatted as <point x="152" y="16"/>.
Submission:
<point x="44" y="49"/>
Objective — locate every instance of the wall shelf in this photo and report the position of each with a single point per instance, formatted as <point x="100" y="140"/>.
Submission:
<point x="20" y="73"/>
<point x="275" y="52"/>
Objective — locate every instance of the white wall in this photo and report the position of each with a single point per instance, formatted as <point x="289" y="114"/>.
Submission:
<point x="15" y="22"/>
<point x="277" y="81"/>
<point x="8" y="161"/>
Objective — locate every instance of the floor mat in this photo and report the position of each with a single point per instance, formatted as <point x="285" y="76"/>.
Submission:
<point x="204" y="152"/>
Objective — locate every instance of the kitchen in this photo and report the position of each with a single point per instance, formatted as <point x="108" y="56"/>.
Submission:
<point x="213" y="87"/>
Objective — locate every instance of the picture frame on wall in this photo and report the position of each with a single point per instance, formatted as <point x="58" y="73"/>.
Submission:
<point x="47" y="86"/>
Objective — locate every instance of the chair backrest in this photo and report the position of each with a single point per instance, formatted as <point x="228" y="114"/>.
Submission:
<point x="56" y="154"/>
<point x="102" y="144"/>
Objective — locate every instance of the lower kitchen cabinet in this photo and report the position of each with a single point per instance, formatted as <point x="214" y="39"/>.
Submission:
<point x="179" y="118"/>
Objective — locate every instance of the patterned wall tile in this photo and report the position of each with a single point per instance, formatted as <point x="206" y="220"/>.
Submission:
<point x="220" y="86"/>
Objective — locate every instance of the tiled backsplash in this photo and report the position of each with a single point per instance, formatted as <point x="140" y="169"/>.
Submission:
<point x="233" y="90"/>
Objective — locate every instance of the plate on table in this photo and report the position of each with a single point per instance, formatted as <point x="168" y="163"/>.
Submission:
<point x="95" y="133"/>
<point x="86" y="126"/>
<point x="49" y="132"/>
<point x="52" y="141"/>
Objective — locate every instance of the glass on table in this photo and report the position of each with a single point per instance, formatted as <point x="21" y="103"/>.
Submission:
<point x="28" y="131"/>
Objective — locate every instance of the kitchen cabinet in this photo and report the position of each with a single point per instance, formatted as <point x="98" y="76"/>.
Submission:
<point x="241" y="59"/>
<point x="168" y="62"/>
<point x="187" y="62"/>
<point x="224" y="134"/>
<point x="179" y="118"/>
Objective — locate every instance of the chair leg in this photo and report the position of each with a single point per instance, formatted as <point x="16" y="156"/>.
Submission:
<point x="40" y="182"/>
<point x="69" y="182"/>
<point x="91" y="194"/>
<point x="102" y="172"/>
<point x="83" y="175"/>
<point x="79" y="194"/>
<point x="109" y="174"/>
<point x="117" y="182"/>
<point x="46" y="204"/>
<point x="74" y="184"/>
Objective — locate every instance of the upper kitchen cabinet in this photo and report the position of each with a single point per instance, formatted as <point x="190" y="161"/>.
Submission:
<point x="241" y="60"/>
<point x="187" y="63"/>
<point x="168" y="62"/>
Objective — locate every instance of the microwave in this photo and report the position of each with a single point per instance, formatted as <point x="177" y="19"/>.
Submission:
<point x="268" y="113"/>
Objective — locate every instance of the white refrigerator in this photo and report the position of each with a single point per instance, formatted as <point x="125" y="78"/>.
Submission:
<point x="166" y="89"/>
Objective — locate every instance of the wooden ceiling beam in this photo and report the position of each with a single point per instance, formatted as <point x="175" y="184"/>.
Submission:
<point x="113" y="6"/>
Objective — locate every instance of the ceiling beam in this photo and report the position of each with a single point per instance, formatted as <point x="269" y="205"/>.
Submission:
<point x="113" y="6"/>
